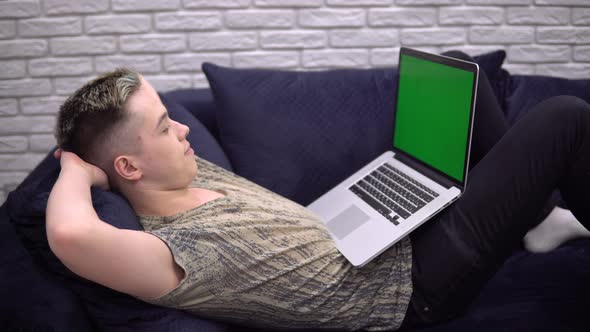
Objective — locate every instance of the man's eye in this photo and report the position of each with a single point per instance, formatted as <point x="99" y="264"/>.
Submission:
<point x="166" y="129"/>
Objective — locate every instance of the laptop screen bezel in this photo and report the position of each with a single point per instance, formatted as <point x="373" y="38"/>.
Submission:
<point x="452" y="62"/>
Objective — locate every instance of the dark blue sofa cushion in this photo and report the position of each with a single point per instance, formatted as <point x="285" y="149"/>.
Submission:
<point x="300" y="133"/>
<point x="525" y="91"/>
<point x="532" y="293"/>
<point x="31" y="299"/>
<point x="491" y="64"/>
<point x="107" y="309"/>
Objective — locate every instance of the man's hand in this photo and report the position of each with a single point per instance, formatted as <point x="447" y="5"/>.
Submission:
<point x="70" y="162"/>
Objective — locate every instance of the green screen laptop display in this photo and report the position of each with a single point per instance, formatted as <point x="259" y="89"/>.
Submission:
<point x="433" y="114"/>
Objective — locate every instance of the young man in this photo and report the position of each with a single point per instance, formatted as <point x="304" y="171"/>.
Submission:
<point x="222" y="247"/>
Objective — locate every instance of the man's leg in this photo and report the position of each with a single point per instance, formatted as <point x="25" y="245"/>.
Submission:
<point x="460" y="249"/>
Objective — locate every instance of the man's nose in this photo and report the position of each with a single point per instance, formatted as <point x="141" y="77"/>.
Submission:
<point x="183" y="130"/>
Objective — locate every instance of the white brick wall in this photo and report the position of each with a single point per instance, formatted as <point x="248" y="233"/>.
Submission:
<point x="48" y="48"/>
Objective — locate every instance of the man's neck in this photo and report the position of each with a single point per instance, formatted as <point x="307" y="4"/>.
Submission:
<point x="147" y="202"/>
<point x="155" y="202"/>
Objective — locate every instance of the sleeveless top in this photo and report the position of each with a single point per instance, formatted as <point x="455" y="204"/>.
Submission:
<point x="258" y="259"/>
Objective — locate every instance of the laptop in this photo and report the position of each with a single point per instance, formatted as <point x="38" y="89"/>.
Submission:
<point x="424" y="172"/>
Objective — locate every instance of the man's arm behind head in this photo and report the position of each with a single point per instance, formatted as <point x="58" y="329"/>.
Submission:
<point x="132" y="262"/>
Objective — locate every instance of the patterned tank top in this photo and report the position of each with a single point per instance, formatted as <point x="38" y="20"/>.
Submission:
<point x="258" y="259"/>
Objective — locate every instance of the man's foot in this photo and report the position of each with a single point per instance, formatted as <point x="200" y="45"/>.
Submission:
<point x="559" y="226"/>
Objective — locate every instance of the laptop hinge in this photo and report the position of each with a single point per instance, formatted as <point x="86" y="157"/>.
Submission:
<point x="428" y="172"/>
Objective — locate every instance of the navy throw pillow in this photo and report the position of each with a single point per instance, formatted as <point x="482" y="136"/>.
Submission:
<point x="491" y="64"/>
<point x="108" y="309"/>
<point x="300" y="133"/>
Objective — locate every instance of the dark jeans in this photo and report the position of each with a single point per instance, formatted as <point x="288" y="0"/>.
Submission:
<point x="512" y="174"/>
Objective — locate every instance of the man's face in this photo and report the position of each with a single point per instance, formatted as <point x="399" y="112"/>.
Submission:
<point x="165" y="157"/>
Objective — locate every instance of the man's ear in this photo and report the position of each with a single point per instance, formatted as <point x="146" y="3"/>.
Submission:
<point x="126" y="168"/>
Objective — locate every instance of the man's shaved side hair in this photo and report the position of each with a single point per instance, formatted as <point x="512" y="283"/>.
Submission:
<point x="93" y="121"/>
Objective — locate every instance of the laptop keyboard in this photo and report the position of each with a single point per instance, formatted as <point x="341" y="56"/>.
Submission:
<point x="387" y="190"/>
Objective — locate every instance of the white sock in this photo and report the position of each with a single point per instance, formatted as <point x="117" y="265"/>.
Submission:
<point x="559" y="226"/>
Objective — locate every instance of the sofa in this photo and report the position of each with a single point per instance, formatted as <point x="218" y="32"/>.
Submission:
<point x="298" y="134"/>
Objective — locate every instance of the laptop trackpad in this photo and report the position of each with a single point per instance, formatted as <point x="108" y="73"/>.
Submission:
<point x="347" y="221"/>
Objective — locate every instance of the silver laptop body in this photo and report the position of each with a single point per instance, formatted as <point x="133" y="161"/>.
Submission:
<point x="394" y="194"/>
